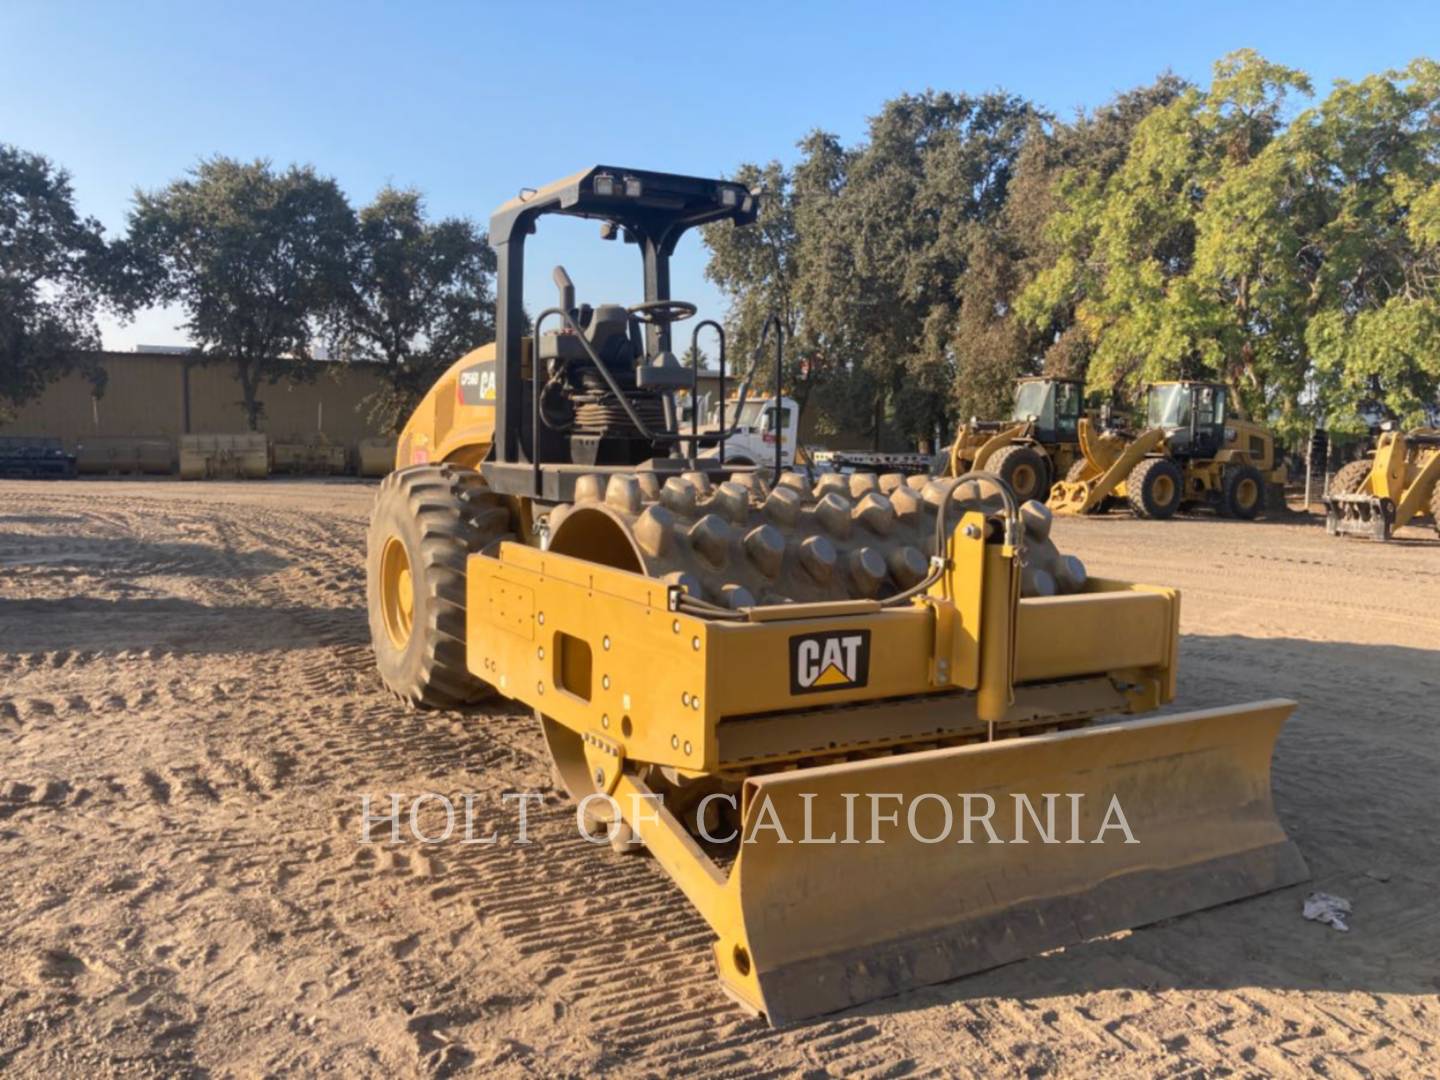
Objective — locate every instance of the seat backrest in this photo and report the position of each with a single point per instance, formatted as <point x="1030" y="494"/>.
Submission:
<point x="609" y="334"/>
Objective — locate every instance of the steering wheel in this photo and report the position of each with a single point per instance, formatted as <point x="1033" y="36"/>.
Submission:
<point x="663" y="312"/>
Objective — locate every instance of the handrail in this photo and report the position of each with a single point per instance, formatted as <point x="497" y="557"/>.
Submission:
<point x="695" y="388"/>
<point x="774" y="320"/>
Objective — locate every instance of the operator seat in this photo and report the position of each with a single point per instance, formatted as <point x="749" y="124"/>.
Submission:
<point x="609" y="335"/>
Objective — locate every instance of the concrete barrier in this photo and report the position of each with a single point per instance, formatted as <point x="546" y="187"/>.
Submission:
<point x="375" y="456"/>
<point x="308" y="458"/>
<point x="119" y="454"/>
<point x="207" y="457"/>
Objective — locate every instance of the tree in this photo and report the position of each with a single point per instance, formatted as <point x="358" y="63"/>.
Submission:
<point x="1181" y="262"/>
<point x="1083" y="154"/>
<point x="777" y="268"/>
<point x="896" y="263"/>
<point x="1369" y="160"/>
<point x="919" y="208"/>
<point x="419" y="297"/>
<point x="1176" y="232"/>
<point x="864" y="253"/>
<point x="756" y="267"/>
<point x="257" y="258"/>
<point x="54" y="271"/>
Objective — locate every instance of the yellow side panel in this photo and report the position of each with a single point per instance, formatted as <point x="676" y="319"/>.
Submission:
<point x="455" y="421"/>
<point x="647" y="672"/>
<point x="1059" y="637"/>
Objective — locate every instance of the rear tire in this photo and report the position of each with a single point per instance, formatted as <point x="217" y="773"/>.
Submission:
<point x="1077" y="471"/>
<point x="1024" y="468"/>
<point x="1154" y="488"/>
<point x="1435" y="507"/>
<point x="427" y="519"/>
<point x="1350" y="478"/>
<point x="1243" y="492"/>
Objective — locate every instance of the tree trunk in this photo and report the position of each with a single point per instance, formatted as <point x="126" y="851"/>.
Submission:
<point x="250" y="389"/>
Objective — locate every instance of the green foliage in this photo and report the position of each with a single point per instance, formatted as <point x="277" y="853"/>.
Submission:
<point x="1176" y="232"/>
<point x="1060" y="166"/>
<point x="418" y="297"/>
<point x="1372" y="246"/>
<point x="768" y="268"/>
<point x="256" y="258"/>
<point x="864" y="253"/>
<point x="1297" y="261"/>
<point x="899" y="260"/>
<point x="54" y="270"/>
<point x="1179" y="263"/>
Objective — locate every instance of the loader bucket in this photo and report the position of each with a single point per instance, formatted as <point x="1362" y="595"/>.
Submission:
<point x="898" y="899"/>
<point x="1109" y="464"/>
<point x="1074" y="496"/>
<point x="1359" y="515"/>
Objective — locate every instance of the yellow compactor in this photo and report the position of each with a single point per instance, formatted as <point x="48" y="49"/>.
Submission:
<point x="858" y="724"/>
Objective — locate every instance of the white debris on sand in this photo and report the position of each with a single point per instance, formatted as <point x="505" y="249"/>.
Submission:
<point x="1323" y="907"/>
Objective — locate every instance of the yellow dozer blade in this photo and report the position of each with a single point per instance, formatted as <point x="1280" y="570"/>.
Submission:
<point x="929" y="896"/>
<point x="1109" y="461"/>
<point x="865" y="879"/>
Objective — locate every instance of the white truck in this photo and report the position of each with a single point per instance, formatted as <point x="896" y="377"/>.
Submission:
<point x="758" y="425"/>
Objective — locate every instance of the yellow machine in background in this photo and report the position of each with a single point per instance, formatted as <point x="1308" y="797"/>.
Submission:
<point x="1037" y="445"/>
<point x="847" y="720"/>
<point x="1398" y="485"/>
<point x="1197" y="449"/>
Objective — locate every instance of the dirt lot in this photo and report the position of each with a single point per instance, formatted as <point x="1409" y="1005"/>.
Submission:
<point x="189" y="719"/>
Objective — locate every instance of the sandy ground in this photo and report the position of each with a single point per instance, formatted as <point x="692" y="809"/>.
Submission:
<point x="189" y="718"/>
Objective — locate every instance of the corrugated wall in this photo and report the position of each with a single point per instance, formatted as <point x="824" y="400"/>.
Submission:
<point x="145" y="396"/>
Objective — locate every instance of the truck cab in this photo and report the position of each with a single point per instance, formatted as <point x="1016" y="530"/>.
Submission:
<point x="761" y="421"/>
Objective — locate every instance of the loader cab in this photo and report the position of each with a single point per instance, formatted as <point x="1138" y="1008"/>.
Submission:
<point x="1054" y="406"/>
<point x="1192" y="415"/>
<point x="592" y="385"/>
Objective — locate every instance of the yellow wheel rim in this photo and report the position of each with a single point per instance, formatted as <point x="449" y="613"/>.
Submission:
<point x="1163" y="489"/>
<point x="397" y="592"/>
<point x="1247" y="493"/>
<point x="1023" y="481"/>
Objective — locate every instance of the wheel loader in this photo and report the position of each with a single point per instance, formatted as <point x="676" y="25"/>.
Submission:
<point x="817" y="708"/>
<point x="1037" y="445"/>
<point x="1398" y="485"/>
<point x="1198" y="449"/>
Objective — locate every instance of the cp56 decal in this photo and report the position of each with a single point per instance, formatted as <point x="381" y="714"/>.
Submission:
<point x="477" y="384"/>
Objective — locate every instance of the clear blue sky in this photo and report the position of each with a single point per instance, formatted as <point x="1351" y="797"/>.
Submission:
<point x="471" y="101"/>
